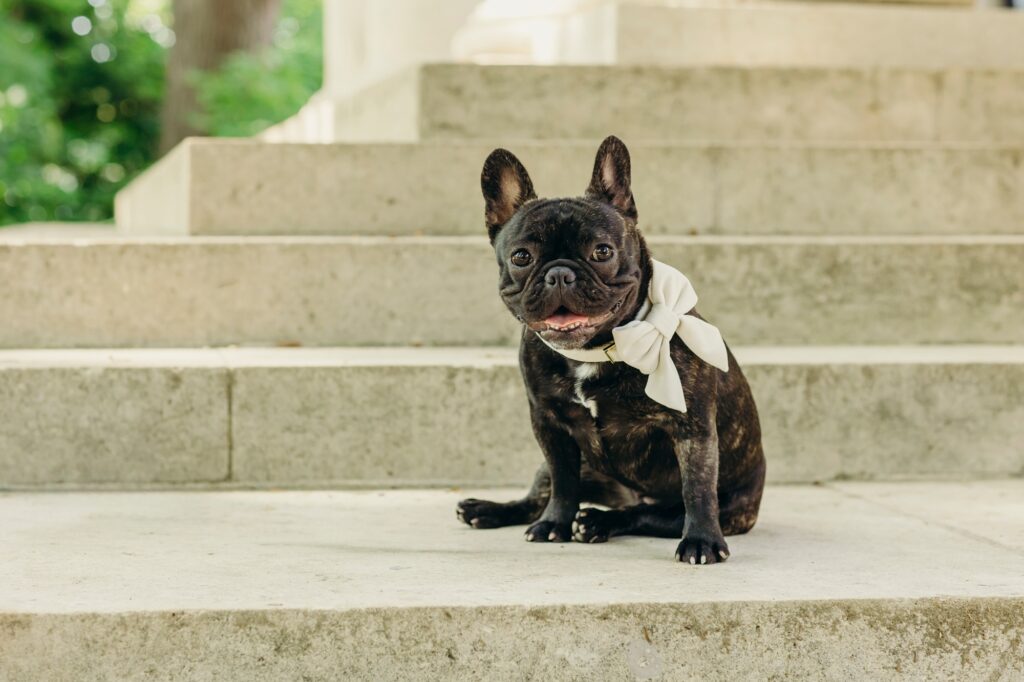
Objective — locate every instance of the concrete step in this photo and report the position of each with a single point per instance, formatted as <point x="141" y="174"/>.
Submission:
<point x="356" y="291"/>
<point x="710" y="32"/>
<point x="916" y="581"/>
<point x="246" y="187"/>
<point x="387" y="416"/>
<point x="692" y="104"/>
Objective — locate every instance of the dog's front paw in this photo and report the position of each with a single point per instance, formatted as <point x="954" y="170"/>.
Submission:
<point x="590" y="526"/>
<point x="548" y="531"/>
<point x="700" y="549"/>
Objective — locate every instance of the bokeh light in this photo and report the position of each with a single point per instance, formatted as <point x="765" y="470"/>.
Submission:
<point x="81" y="25"/>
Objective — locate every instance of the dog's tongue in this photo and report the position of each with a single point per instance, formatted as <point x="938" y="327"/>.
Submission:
<point x="565" y="319"/>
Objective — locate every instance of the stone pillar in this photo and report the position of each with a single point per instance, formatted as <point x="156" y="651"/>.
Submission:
<point x="590" y="31"/>
<point x="366" y="41"/>
<point x="539" y="32"/>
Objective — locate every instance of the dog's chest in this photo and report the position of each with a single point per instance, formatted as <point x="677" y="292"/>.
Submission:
<point x="624" y="436"/>
<point x="608" y="393"/>
<point x="581" y="373"/>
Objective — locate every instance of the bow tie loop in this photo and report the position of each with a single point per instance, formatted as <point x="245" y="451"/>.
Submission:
<point x="664" y="319"/>
<point x="638" y="344"/>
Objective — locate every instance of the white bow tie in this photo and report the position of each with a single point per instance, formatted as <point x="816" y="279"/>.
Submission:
<point x="645" y="342"/>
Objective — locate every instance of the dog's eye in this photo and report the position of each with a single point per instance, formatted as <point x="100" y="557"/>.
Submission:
<point x="602" y="252"/>
<point x="522" y="258"/>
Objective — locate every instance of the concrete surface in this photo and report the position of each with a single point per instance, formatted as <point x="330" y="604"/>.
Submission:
<point x="57" y="231"/>
<point x="162" y="200"/>
<point x="240" y="187"/>
<point x="392" y="417"/>
<point x="696" y="34"/>
<point x="96" y="422"/>
<point x="626" y="32"/>
<point x="848" y="416"/>
<point x="443" y="290"/>
<point x="817" y="34"/>
<point x="832" y="583"/>
<point x="656" y="104"/>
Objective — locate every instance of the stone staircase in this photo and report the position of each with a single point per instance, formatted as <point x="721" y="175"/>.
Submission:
<point x="364" y="417"/>
<point x="292" y="317"/>
<point x="836" y="581"/>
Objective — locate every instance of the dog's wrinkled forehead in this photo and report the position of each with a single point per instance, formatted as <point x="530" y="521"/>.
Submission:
<point x="509" y="196"/>
<point x="559" y="225"/>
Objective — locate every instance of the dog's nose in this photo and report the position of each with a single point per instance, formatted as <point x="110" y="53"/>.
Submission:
<point x="559" y="276"/>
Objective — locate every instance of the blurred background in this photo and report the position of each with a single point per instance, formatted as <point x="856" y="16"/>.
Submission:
<point x="93" y="92"/>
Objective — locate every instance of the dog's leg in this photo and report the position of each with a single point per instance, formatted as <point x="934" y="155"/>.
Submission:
<point x="739" y="507"/>
<point x="562" y="454"/>
<point x="703" y="541"/>
<point x="737" y="515"/>
<point x="486" y="514"/>
<point x="597" y="525"/>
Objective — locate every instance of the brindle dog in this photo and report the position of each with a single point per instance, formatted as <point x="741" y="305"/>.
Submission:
<point x="571" y="270"/>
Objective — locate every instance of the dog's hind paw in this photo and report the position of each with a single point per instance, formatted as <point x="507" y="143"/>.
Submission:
<point x="589" y="526"/>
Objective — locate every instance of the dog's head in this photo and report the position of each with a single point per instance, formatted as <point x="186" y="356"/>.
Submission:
<point x="571" y="269"/>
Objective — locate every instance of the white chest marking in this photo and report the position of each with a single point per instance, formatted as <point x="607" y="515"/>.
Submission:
<point x="584" y="371"/>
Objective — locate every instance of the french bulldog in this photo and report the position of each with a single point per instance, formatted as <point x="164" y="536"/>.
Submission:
<point x="571" y="271"/>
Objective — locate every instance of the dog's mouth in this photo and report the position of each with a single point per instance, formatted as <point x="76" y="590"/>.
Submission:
<point x="564" y="320"/>
<point x="565" y="323"/>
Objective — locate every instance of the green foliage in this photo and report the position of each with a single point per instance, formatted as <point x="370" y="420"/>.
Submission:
<point x="79" y="108"/>
<point x="250" y="92"/>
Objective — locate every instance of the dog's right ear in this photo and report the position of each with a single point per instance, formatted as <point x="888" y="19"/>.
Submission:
<point x="506" y="186"/>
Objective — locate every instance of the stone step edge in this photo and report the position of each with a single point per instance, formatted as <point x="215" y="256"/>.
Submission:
<point x="379" y="291"/>
<point x="475" y="357"/>
<point x="400" y="484"/>
<point x="103" y="237"/>
<point x="189" y="144"/>
<point x="392" y="583"/>
<point x="215" y="187"/>
<point x="626" y="69"/>
<point x="939" y="637"/>
<point x="405" y="106"/>
<point x="249" y="417"/>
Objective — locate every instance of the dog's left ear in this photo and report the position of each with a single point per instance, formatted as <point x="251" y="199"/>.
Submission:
<point x="610" y="181"/>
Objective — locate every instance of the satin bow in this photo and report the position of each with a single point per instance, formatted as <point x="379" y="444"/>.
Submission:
<point x="645" y="343"/>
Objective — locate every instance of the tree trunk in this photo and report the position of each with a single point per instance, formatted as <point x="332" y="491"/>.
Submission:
<point x="206" y="32"/>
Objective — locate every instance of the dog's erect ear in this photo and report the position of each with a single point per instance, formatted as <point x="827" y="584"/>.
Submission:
<point x="610" y="181"/>
<point x="506" y="186"/>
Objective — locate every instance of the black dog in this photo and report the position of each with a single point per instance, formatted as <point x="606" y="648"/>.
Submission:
<point x="571" y="271"/>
